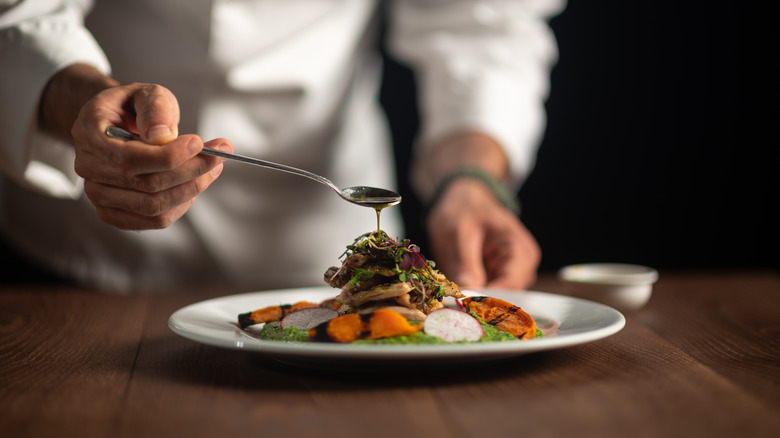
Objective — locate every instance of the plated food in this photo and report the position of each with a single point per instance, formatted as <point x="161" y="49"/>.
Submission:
<point x="389" y="292"/>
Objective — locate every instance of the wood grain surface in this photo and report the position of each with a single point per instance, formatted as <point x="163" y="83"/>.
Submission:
<point x="701" y="359"/>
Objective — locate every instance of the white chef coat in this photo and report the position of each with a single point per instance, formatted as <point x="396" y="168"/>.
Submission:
<point x="288" y="81"/>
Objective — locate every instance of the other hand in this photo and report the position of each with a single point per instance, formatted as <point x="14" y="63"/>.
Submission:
<point x="477" y="242"/>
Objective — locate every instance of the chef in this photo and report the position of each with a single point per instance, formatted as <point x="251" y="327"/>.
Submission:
<point x="293" y="82"/>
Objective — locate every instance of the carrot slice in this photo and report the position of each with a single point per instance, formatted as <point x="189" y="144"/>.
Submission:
<point x="503" y="315"/>
<point x="345" y="328"/>
<point x="382" y="323"/>
<point x="385" y="323"/>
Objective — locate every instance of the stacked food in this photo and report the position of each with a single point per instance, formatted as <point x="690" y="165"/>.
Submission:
<point x="379" y="272"/>
<point x="388" y="290"/>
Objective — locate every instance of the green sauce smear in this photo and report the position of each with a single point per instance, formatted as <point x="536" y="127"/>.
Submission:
<point x="273" y="331"/>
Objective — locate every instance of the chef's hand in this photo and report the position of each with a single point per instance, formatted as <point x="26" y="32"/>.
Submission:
<point x="134" y="185"/>
<point x="475" y="240"/>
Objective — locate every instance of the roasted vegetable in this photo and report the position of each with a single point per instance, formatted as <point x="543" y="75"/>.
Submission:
<point x="502" y="315"/>
<point x="383" y="323"/>
<point x="453" y="325"/>
<point x="271" y="313"/>
<point x="309" y="317"/>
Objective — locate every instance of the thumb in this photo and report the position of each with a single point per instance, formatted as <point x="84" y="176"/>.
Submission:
<point x="157" y="114"/>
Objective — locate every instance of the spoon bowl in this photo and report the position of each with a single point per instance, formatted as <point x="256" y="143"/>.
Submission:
<point x="365" y="196"/>
<point x="370" y="196"/>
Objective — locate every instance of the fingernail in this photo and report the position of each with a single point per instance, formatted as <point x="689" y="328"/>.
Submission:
<point x="193" y="146"/>
<point x="222" y="148"/>
<point x="159" y="132"/>
<point x="216" y="170"/>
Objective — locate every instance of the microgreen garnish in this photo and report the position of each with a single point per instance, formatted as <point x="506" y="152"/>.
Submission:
<point x="400" y="257"/>
<point x="360" y="274"/>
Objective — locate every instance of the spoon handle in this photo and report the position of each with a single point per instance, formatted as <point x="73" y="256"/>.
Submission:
<point x="123" y="134"/>
<point x="269" y="165"/>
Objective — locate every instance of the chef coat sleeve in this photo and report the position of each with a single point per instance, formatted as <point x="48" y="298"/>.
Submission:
<point x="37" y="39"/>
<point x="480" y="65"/>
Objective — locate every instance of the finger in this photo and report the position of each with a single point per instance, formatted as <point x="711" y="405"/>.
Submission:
<point x="138" y="166"/>
<point x="511" y="259"/>
<point x="148" y="204"/>
<point x="468" y="265"/>
<point x="506" y="270"/>
<point x="457" y="247"/>
<point x="136" y="158"/>
<point x="520" y="277"/>
<point x="157" y="114"/>
<point x="221" y="144"/>
<point x="125" y="220"/>
<point x="193" y="168"/>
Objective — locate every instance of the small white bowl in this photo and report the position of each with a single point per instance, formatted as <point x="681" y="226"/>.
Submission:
<point x="622" y="286"/>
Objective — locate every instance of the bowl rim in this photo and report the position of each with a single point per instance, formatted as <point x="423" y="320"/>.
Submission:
<point x="609" y="273"/>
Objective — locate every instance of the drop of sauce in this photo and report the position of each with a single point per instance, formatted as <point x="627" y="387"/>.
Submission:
<point x="378" y="209"/>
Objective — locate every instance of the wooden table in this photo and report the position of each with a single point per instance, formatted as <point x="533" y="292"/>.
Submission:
<point x="702" y="359"/>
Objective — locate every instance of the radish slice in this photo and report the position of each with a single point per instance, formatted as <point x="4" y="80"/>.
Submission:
<point x="453" y="325"/>
<point x="305" y="319"/>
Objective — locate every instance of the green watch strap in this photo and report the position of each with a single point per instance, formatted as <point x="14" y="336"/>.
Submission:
<point x="502" y="195"/>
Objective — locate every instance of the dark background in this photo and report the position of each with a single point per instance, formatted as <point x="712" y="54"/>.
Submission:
<point x="653" y="154"/>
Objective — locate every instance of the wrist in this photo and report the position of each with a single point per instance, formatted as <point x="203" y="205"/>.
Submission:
<point x="465" y="154"/>
<point x="499" y="191"/>
<point x="66" y="93"/>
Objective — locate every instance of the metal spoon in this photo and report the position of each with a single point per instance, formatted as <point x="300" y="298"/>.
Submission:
<point x="361" y="195"/>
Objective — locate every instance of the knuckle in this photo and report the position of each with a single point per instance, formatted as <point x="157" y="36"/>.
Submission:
<point x="116" y="218"/>
<point x="200" y="184"/>
<point x="536" y="254"/>
<point x="155" y="97"/>
<point x="79" y="167"/>
<point x="75" y="134"/>
<point x="93" y="194"/>
<point x="158" y="223"/>
<point x="175" y="156"/>
<point x="148" y="90"/>
<point x="106" y="216"/>
<point x="149" y="183"/>
<point x="164" y="220"/>
<point x="120" y="163"/>
<point x="155" y="90"/>
<point x="150" y="206"/>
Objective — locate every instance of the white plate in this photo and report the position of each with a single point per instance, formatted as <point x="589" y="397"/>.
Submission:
<point x="565" y="322"/>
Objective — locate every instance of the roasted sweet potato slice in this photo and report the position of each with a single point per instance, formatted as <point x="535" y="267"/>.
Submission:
<point x="344" y="328"/>
<point x="502" y="315"/>
<point x="385" y="323"/>
<point x="271" y="313"/>
<point x="382" y="323"/>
